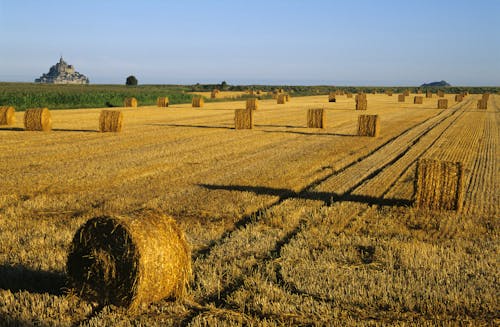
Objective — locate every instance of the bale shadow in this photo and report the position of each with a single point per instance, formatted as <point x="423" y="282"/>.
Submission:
<point x="192" y="126"/>
<point x="16" y="129"/>
<point x="327" y="197"/>
<point x="19" y="278"/>
<point x="312" y="133"/>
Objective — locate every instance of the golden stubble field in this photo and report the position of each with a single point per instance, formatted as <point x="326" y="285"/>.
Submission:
<point x="288" y="225"/>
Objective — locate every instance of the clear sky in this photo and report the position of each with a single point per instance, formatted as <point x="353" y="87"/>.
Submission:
<point x="348" y="42"/>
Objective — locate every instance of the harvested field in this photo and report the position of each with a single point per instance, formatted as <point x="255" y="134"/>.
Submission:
<point x="287" y="225"/>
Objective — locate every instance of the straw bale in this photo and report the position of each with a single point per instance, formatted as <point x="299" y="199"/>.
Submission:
<point x="442" y="104"/>
<point x="368" y="125"/>
<point x="287" y="97"/>
<point x="252" y="104"/>
<point x="428" y="94"/>
<point x="486" y="96"/>
<point x="401" y="98"/>
<point x="459" y="98"/>
<point x="389" y="93"/>
<point x="197" y="102"/>
<point x="162" y="102"/>
<point x="243" y="119"/>
<point x="215" y="93"/>
<point x="332" y="97"/>
<point x="7" y="115"/>
<point x="38" y="119"/>
<point x="130" y="102"/>
<point x="419" y="91"/>
<point x="439" y="184"/>
<point x="361" y="102"/>
<point x="440" y="94"/>
<point x="316" y="118"/>
<point x="110" y="121"/>
<point x="281" y="98"/>
<point x="482" y="104"/>
<point x="349" y="95"/>
<point x="406" y="93"/>
<point x="129" y="261"/>
<point x="418" y="100"/>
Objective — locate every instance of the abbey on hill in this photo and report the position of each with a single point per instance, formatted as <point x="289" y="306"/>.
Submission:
<point x="62" y="73"/>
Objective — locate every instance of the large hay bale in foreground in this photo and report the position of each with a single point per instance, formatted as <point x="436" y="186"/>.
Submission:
<point x="418" y="99"/>
<point x="316" y="118"/>
<point x="252" y="104"/>
<point x="281" y="98"/>
<point x="7" y="115"/>
<point x="428" y="94"/>
<point x="459" y="98"/>
<point x="129" y="261"/>
<point x="130" y="102"/>
<point x="368" y="125"/>
<point x="332" y="97"/>
<point x="482" y="104"/>
<point x="243" y="119"/>
<point x="197" y="102"/>
<point x="162" y="102"/>
<point x="439" y="184"/>
<point x="442" y="104"/>
<point x="401" y="98"/>
<point x="110" y="121"/>
<point x="38" y="119"/>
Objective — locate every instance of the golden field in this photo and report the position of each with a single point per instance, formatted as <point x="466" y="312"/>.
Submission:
<point x="288" y="225"/>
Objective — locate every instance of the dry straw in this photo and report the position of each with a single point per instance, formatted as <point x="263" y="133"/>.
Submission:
<point x="401" y="98"/>
<point x="129" y="261"/>
<point x="459" y="97"/>
<point x="110" y="121"/>
<point x="332" y="97"/>
<point x="38" y="119"/>
<point x="428" y="94"/>
<point x="197" y="102"/>
<point x="442" y="104"/>
<point x="316" y="118"/>
<point x="418" y="100"/>
<point x="243" y="119"/>
<point x="439" y="184"/>
<point x="252" y="104"/>
<point x="130" y="102"/>
<point x="7" y="115"/>
<point x="162" y="102"/>
<point x="281" y="98"/>
<point x="368" y="125"/>
<point x="482" y="104"/>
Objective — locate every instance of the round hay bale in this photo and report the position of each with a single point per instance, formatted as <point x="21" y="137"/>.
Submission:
<point x="129" y="261"/>
<point x="37" y="119"/>
<point x="110" y="121"/>
<point x="7" y="116"/>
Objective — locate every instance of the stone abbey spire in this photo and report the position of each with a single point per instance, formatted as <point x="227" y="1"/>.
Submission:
<point x="62" y="73"/>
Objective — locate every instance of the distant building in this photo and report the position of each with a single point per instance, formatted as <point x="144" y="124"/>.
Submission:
<point x="62" y="73"/>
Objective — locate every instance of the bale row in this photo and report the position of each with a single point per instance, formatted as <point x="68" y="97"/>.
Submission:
<point x="439" y="185"/>
<point x="243" y="119"/>
<point x="442" y="104"/>
<point x="368" y="125"/>
<point x="110" y="121"/>
<point x="197" y="102"/>
<point x="316" y="118"/>
<point x="162" y="102"/>
<point x="129" y="261"/>
<point x="38" y="119"/>
<point x="130" y="102"/>
<point x="7" y="115"/>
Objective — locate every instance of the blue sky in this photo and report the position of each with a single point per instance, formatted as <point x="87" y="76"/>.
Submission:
<point x="356" y="42"/>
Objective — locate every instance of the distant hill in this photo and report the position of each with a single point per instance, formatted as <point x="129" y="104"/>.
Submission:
<point x="442" y="83"/>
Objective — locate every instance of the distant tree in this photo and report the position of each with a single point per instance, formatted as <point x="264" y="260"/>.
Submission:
<point x="223" y="85"/>
<point x="131" y="80"/>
